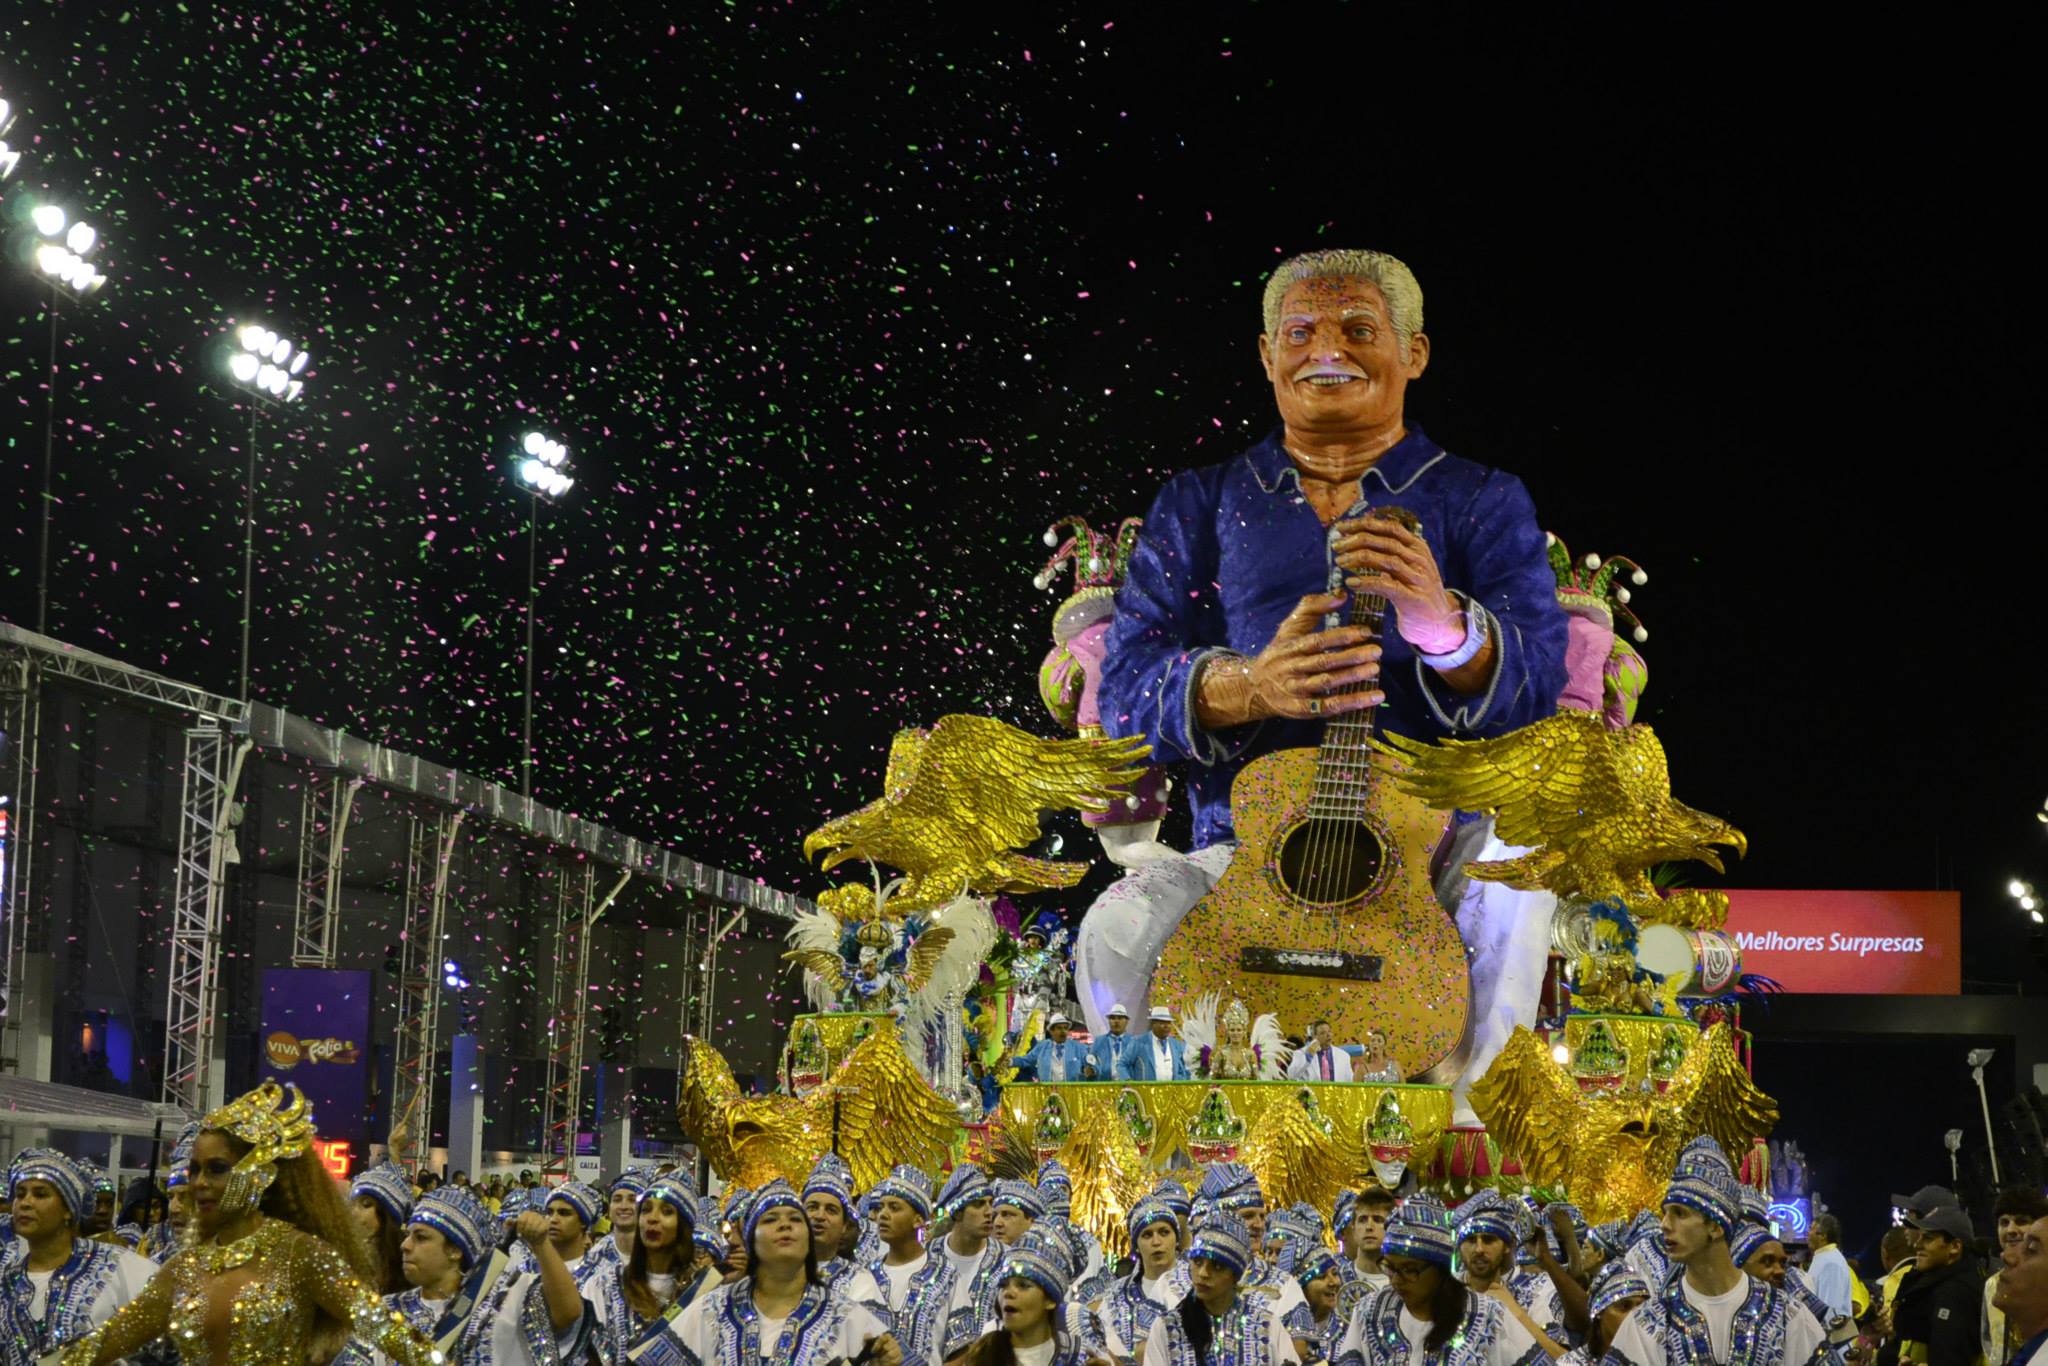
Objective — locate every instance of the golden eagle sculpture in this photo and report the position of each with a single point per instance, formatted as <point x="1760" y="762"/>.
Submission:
<point x="885" y="1114"/>
<point x="1612" y="1151"/>
<point x="959" y="797"/>
<point x="1593" y="805"/>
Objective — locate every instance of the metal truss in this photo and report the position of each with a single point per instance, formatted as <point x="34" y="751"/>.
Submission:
<point x="20" y="714"/>
<point x="574" y="916"/>
<point x="213" y="769"/>
<point x="323" y="832"/>
<point x="419" y="995"/>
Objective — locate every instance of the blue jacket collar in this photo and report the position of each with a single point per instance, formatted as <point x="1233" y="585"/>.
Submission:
<point x="1396" y="470"/>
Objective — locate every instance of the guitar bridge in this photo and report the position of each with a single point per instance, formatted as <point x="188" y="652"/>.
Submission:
<point x="1331" y="963"/>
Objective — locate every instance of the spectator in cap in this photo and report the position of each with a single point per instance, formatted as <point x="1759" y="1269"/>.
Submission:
<point x="1214" y="1322"/>
<point x="1159" y="1056"/>
<point x="1425" y="1308"/>
<point x="1054" y="1058"/>
<point x="2023" y="1293"/>
<point x="56" y="1284"/>
<point x="2015" y="1209"/>
<point x="1702" y="1214"/>
<point x="1106" y="1053"/>
<point x="1937" y="1310"/>
<point x="381" y="1200"/>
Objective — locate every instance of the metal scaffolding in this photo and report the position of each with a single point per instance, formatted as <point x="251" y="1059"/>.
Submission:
<point x="419" y="996"/>
<point x="20" y="712"/>
<point x="213" y="769"/>
<point x="323" y="833"/>
<point x="570" y="987"/>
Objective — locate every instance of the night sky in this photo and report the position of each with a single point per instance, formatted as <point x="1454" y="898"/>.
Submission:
<point x="837" y="312"/>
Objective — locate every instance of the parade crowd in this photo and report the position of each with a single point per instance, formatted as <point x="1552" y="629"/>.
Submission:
<point x="254" y="1254"/>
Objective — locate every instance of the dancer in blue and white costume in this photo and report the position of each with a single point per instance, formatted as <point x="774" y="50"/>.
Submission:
<point x="965" y="1211"/>
<point x="1616" y="1291"/>
<point x="1315" y="1324"/>
<point x="917" y="1283"/>
<point x="778" y="1311"/>
<point x="1014" y="1207"/>
<point x="622" y="1210"/>
<point x="828" y="1206"/>
<point x="1712" y="1314"/>
<point x="1491" y="1228"/>
<point x="55" y="1283"/>
<point x="1216" y="1323"/>
<point x="675" y="1242"/>
<point x="1036" y="1327"/>
<point x="1122" y="1318"/>
<point x="1426" y="1316"/>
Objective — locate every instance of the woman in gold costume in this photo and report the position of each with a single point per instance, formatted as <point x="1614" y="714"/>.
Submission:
<point x="1250" y="1050"/>
<point x="275" y="1272"/>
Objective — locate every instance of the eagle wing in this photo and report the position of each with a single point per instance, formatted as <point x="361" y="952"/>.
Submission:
<point x="887" y="1113"/>
<point x="979" y="785"/>
<point x="814" y="945"/>
<point x="1713" y="1094"/>
<point x="1531" y="1106"/>
<point x="924" y="957"/>
<point x="1546" y="781"/>
<point x="708" y="1091"/>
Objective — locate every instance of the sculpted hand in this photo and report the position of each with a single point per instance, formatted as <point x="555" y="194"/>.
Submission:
<point x="1382" y="556"/>
<point x="1297" y="673"/>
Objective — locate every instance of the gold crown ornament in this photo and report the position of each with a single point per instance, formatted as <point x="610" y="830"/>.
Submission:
<point x="273" y="1134"/>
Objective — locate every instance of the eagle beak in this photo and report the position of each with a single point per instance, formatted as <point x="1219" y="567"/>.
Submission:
<point x="820" y="839"/>
<point x="1739" y="842"/>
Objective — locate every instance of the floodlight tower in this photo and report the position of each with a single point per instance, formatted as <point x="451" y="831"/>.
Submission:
<point x="62" y="247"/>
<point x="543" y="471"/>
<point x="270" y="370"/>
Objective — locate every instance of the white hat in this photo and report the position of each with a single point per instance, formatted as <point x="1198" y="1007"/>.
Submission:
<point x="1162" y="1013"/>
<point x="1057" y="1020"/>
<point x="1118" y="1010"/>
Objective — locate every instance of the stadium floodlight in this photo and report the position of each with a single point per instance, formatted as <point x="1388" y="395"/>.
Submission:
<point x="268" y="365"/>
<point x="542" y="469"/>
<point x="62" y="258"/>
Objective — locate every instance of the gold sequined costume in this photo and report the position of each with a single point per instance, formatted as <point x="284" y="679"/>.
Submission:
<point x="253" y="1302"/>
<point x="277" y="1295"/>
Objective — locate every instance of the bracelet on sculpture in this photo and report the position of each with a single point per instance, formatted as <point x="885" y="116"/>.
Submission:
<point x="1474" y="642"/>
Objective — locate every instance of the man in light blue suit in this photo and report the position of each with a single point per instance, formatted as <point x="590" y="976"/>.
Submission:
<point x="1157" y="1056"/>
<point x="1055" y="1057"/>
<point x="1106" y="1054"/>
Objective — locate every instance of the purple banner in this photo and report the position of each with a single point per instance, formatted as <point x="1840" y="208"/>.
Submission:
<point x="316" y="1036"/>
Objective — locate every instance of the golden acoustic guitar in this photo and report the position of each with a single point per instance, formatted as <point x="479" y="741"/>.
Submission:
<point x="1326" y="910"/>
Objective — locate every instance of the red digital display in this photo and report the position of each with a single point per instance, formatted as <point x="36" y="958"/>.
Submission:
<point x="334" y="1155"/>
<point x="1852" y="943"/>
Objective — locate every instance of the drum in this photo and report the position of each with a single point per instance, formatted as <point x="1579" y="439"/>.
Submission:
<point x="1700" y="962"/>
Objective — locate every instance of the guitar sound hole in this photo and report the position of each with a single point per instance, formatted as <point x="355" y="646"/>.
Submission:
<point x="1329" y="863"/>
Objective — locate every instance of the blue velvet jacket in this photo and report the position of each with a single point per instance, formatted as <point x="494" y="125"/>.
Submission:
<point x="1228" y="550"/>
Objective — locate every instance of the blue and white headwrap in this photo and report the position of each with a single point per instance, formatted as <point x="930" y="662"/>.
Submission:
<point x="704" y="1230"/>
<point x="777" y="1194"/>
<point x="909" y="1185"/>
<point x="1041" y="1256"/>
<point x="180" y="1170"/>
<point x="1222" y="1238"/>
<point x="515" y="1203"/>
<point x="1148" y="1211"/>
<point x="1614" y="1283"/>
<point x="1486" y="1212"/>
<point x="678" y="1190"/>
<point x="1231" y="1186"/>
<point x="390" y="1187"/>
<point x="1345" y="1210"/>
<point x="1755" y="1209"/>
<point x="1705" y="1181"/>
<point x="1174" y="1196"/>
<point x="965" y="1184"/>
<point x="1021" y="1195"/>
<point x="1748" y="1239"/>
<point x="587" y="1203"/>
<point x="634" y="1179"/>
<point x="1611" y="1238"/>
<point x="831" y="1176"/>
<point x="74" y="1186"/>
<point x="1420" y="1227"/>
<point x="1315" y="1265"/>
<point x="1055" y="1187"/>
<point x="458" y="1216"/>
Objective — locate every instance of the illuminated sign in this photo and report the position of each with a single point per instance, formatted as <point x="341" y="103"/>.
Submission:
<point x="1851" y="943"/>
<point x="335" y="1156"/>
<point x="287" y="1051"/>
